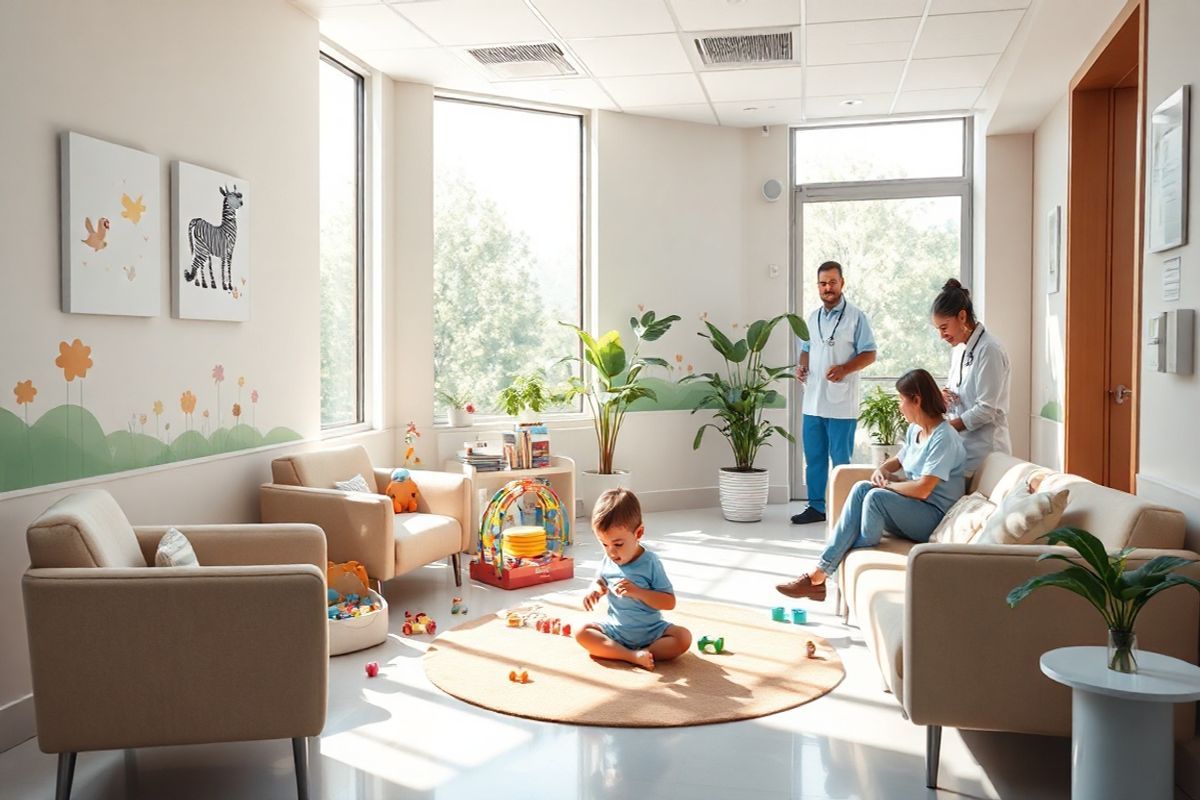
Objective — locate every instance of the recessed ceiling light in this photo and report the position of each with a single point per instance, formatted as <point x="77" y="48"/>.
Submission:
<point x="750" y="108"/>
<point x="853" y="101"/>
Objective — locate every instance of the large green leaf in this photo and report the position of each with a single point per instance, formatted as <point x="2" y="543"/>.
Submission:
<point x="611" y="354"/>
<point x="654" y="361"/>
<point x="799" y="326"/>
<point x="1063" y="580"/>
<point x="740" y="351"/>
<point x="1092" y="550"/>
<point x="1152" y="573"/>
<point x="700" y="434"/>
<point x="720" y="341"/>
<point x="758" y="333"/>
<point x="654" y="329"/>
<point x="1169" y="582"/>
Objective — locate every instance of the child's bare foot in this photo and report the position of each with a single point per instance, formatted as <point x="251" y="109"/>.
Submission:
<point x="644" y="659"/>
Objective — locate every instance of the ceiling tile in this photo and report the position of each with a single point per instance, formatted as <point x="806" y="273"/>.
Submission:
<point x="655" y="90"/>
<point x="435" y="66"/>
<point x="949" y="73"/>
<point x="632" y="55"/>
<point x="587" y="18"/>
<point x="854" y="80"/>
<point x="462" y="22"/>
<point x="937" y="100"/>
<point x="966" y="6"/>
<point x="841" y="10"/>
<point x="753" y="84"/>
<point x="692" y="112"/>
<point x="831" y="107"/>
<point x="966" y="34"/>
<point x="578" y="92"/>
<point x="751" y="115"/>
<point x="714" y="15"/>
<point x="856" y="42"/>
<point x="374" y="27"/>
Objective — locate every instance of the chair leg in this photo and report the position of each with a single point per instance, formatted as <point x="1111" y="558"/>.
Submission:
<point x="933" y="751"/>
<point x="456" y="564"/>
<point x="66" y="774"/>
<point x="300" y="756"/>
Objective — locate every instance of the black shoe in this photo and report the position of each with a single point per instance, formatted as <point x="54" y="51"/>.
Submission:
<point x="807" y="517"/>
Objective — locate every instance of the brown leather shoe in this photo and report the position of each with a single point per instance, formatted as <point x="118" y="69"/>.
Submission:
<point x="802" y="587"/>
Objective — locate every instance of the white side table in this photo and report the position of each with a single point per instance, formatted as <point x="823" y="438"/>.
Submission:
<point x="1122" y="744"/>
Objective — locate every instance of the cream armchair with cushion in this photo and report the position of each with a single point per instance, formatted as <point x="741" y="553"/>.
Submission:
<point x="362" y="527"/>
<point x="949" y="647"/>
<point x="125" y="654"/>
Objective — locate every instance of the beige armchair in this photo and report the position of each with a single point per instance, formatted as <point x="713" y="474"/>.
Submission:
<point x="129" y="655"/>
<point x="363" y="527"/>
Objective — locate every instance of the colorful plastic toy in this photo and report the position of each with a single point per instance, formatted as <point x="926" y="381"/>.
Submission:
<point x="519" y="677"/>
<point x="457" y="606"/>
<point x="419" y="623"/>
<point x="717" y="645"/>
<point x="514" y="620"/>
<point x="566" y="629"/>
<point x="513" y="570"/>
<point x="811" y="649"/>
<point x="777" y="614"/>
<point x="799" y="616"/>
<point x="372" y="668"/>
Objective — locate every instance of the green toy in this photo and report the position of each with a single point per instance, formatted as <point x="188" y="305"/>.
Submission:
<point x="717" y="645"/>
<point x="777" y="614"/>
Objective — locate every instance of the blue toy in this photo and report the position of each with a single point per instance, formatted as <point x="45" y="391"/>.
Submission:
<point x="777" y="614"/>
<point x="799" y="616"/>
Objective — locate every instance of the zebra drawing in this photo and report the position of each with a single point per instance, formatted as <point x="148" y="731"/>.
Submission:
<point x="208" y="241"/>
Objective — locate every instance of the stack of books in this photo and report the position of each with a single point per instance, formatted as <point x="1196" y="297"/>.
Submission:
<point x="483" y="456"/>
<point x="527" y="446"/>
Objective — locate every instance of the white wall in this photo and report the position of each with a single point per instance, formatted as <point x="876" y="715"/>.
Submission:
<point x="226" y="84"/>
<point x="1049" y="310"/>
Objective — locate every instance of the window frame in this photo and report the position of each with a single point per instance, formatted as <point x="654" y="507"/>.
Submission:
<point x="585" y="278"/>
<point x="337" y="60"/>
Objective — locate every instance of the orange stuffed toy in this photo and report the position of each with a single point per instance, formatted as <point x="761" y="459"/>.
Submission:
<point x="403" y="491"/>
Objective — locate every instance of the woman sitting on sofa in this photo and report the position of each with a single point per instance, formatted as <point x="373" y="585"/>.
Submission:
<point x="909" y="504"/>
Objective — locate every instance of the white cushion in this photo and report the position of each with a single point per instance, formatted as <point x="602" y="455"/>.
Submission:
<point x="965" y="519"/>
<point x="356" y="484"/>
<point x="422" y="538"/>
<point x="1023" y="518"/>
<point x="174" y="550"/>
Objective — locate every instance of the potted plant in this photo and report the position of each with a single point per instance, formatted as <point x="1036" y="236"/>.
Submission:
<point x="880" y="413"/>
<point x="459" y="410"/>
<point x="737" y="399"/>
<point x="526" y="397"/>
<point x="1118" y="594"/>
<point x="612" y="381"/>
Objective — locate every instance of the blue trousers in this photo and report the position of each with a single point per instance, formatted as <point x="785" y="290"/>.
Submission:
<point x="868" y="513"/>
<point x="825" y="440"/>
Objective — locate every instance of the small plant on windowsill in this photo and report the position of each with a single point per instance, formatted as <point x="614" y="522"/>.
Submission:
<point x="526" y="397"/>
<point x="460" y="411"/>
<point x="880" y="413"/>
<point x="1117" y="593"/>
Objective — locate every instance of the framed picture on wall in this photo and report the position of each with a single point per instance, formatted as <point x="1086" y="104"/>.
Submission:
<point x="111" y="250"/>
<point x="1053" y="249"/>
<point x="210" y="225"/>
<point x="1169" y="171"/>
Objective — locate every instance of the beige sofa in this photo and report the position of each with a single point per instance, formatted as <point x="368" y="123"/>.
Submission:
<point x="952" y="651"/>
<point x="364" y="527"/>
<point x="128" y="655"/>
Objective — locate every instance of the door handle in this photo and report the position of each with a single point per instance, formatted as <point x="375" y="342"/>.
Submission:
<point x="1120" y="394"/>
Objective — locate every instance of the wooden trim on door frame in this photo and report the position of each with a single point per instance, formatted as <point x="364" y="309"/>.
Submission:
<point x="1086" y="364"/>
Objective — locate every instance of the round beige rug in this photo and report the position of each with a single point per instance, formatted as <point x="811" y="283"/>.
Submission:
<point x="764" y="669"/>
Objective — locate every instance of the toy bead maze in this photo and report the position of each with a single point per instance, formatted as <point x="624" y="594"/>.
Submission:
<point x="523" y="537"/>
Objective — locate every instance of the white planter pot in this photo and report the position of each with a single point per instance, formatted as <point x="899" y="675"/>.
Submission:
<point x="529" y="415"/>
<point x="589" y="485"/>
<point x="461" y="418"/>
<point x="882" y="452"/>
<point x="743" y="494"/>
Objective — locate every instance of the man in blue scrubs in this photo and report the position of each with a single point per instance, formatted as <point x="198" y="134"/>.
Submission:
<point x="841" y="345"/>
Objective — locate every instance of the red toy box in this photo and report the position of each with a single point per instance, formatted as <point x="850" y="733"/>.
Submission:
<point x="518" y="577"/>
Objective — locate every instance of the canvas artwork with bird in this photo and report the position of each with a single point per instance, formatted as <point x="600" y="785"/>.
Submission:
<point x="96" y="234"/>
<point x="133" y="209"/>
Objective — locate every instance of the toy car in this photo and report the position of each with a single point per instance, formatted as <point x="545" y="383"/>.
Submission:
<point x="419" y="623"/>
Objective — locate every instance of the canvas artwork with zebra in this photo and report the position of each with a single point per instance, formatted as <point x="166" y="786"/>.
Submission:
<point x="211" y="225"/>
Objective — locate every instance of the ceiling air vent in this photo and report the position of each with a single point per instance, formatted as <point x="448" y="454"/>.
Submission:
<point x="516" y="61"/>
<point x="734" y="49"/>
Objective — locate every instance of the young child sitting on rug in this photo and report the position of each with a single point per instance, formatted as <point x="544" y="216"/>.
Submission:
<point x="637" y="587"/>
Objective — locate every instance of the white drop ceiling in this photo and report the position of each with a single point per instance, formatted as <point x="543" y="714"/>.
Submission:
<point x="856" y="57"/>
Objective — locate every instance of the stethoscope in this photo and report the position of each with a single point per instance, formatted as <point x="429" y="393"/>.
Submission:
<point x="841" y="313"/>
<point x="968" y="358"/>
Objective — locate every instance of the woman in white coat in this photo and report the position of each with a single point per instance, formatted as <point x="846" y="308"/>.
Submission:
<point x="976" y="394"/>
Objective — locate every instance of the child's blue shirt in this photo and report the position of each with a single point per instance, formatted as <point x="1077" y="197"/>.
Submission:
<point x="635" y="619"/>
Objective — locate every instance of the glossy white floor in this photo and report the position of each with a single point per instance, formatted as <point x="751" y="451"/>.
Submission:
<point x="396" y="736"/>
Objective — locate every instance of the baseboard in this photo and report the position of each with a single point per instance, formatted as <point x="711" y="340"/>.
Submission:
<point x="1172" y="495"/>
<point x="17" y="723"/>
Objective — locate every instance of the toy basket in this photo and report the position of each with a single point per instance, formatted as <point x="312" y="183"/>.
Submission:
<point x="359" y="633"/>
<point x="540" y="506"/>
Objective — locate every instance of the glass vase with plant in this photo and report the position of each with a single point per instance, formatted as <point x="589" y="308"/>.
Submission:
<point x="460" y="411"/>
<point x="527" y="392"/>
<point x="880" y="413"/>
<point x="1117" y="593"/>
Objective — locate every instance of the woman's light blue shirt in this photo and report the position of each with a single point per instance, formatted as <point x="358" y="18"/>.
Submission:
<point x="942" y="455"/>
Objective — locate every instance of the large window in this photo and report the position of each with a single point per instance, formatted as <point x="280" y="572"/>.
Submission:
<point x="342" y="230"/>
<point x="508" y="189"/>
<point x="891" y="203"/>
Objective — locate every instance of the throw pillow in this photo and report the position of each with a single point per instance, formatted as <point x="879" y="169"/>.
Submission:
<point x="964" y="520"/>
<point x="356" y="484"/>
<point x="1023" y="517"/>
<point x="174" y="550"/>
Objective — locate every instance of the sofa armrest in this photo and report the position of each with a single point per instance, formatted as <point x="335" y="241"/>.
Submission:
<point x="245" y="545"/>
<point x="445" y="493"/>
<point x="358" y="527"/>
<point x="176" y="655"/>
<point x="841" y="481"/>
<point x="971" y="662"/>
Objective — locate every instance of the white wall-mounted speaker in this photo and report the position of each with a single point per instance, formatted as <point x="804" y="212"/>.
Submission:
<point x="772" y="190"/>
